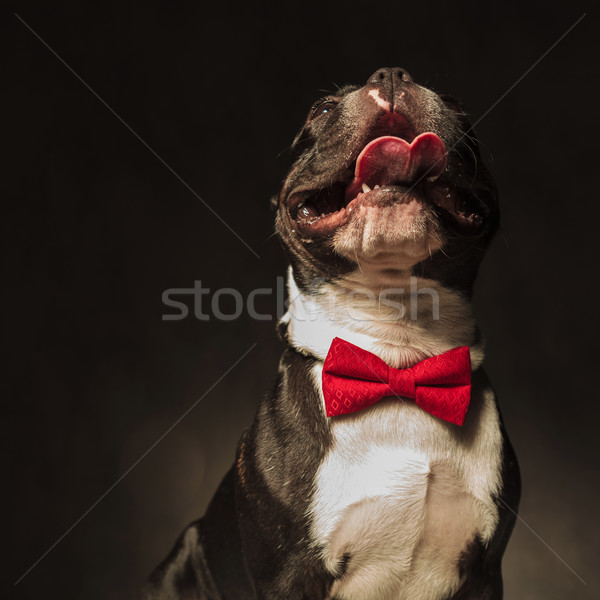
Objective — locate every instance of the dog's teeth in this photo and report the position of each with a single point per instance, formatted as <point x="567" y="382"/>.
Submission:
<point x="376" y="187"/>
<point x="365" y="188"/>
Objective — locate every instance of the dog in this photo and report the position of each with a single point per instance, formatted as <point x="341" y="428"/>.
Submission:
<point x="413" y="493"/>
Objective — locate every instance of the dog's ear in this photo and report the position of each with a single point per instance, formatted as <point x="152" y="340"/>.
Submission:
<point x="274" y="201"/>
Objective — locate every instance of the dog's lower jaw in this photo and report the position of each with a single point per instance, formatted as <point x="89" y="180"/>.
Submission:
<point x="396" y="236"/>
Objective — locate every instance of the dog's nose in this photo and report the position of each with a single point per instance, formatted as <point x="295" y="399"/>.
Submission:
<point x="389" y="76"/>
<point x="390" y="86"/>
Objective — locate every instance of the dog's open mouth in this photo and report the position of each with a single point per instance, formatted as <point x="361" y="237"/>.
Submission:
<point x="390" y="169"/>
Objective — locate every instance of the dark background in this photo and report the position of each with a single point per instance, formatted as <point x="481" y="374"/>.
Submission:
<point x="96" y="227"/>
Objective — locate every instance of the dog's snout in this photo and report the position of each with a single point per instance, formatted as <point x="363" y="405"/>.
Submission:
<point x="389" y="76"/>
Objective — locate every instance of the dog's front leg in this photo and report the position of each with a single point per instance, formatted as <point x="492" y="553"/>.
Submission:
<point x="278" y="557"/>
<point x="275" y="466"/>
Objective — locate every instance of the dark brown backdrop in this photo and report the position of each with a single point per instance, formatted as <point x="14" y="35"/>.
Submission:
<point x="96" y="227"/>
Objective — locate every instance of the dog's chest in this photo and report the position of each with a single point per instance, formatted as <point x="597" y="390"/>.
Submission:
<point x="400" y="496"/>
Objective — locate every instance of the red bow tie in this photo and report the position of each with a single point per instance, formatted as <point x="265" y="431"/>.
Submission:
<point x="354" y="379"/>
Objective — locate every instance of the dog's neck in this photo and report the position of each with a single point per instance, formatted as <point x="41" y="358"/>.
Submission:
<point x="400" y="318"/>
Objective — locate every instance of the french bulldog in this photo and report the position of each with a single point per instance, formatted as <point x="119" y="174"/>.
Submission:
<point x="385" y="215"/>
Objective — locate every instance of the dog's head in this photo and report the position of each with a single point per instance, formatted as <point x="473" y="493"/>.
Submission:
<point x="387" y="177"/>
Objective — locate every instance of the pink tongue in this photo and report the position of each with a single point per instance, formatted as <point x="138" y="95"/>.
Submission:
<point x="391" y="160"/>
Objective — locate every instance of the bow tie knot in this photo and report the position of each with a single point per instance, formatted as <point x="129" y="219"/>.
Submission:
<point x="402" y="382"/>
<point x="354" y="379"/>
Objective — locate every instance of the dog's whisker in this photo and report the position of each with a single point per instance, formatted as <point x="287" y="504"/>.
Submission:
<point x="269" y="237"/>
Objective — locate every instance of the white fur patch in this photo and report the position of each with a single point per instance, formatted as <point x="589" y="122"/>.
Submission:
<point x="368" y="310"/>
<point x="380" y="101"/>
<point x="403" y="494"/>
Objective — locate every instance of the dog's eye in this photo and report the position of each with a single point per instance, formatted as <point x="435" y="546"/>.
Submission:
<point x="322" y="107"/>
